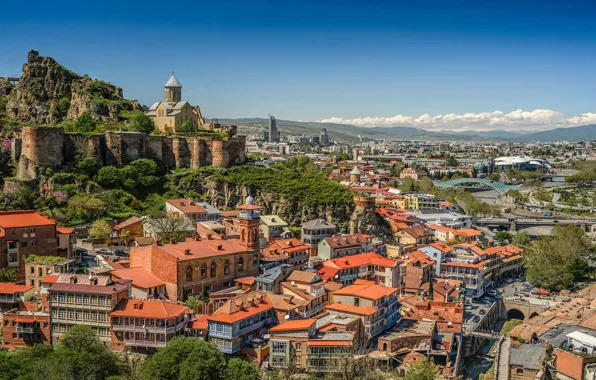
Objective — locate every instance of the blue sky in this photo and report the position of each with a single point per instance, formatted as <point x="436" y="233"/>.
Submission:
<point x="368" y="63"/>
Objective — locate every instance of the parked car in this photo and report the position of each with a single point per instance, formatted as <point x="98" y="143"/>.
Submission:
<point x="492" y="293"/>
<point x="509" y="280"/>
<point x="476" y="318"/>
<point x="120" y="253"/>
<point x="104" y="251"/>
<point x="481" y="312"/>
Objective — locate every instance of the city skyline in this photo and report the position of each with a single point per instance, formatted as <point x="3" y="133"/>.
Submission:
<point x="468" y="66"/>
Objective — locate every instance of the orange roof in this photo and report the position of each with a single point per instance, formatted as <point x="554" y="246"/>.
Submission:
<point x="127" y="223"/>
<point x="28" y="218"/>
<point x="438" y="227"/>
<point x="366" y="289"/>
<point x="417" y="232"/>
<point x="327" y="272"/>
<point x="12" y="288"/>
<point x="469" y="232"/>
<point x="148" y="309"/>
<point x="65" y="230"/>
<point x="354" y="261"/>
<point x="294" y="325"/>
<point x="347" y="240"/>
<point x="141" y="277"/>
<point x="338" y="306"/>
<point x="241" y="307"/>
<point x="248" y="280"/>
<point x="51" y="279"/>
<point x="324" y="342"/>
<point x="187" y="206"/>
<point x="287" y="245"/>
<point x="441" y="247"/>
<point x="199" y="323"/>
<point x="203" y="248"/>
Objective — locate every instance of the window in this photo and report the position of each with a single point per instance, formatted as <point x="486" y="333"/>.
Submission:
<point x="213" y="269"/>
<point x="204" y="271"/>
<point x="226" y="267"/>
<point x="255" y="259"/>
<point x="33" y="243"/>
<point x="241" y="264"/>
<point x="189" y="273"/>
<point x="24" y="244"/>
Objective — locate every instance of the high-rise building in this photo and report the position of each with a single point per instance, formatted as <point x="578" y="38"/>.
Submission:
<point x="324" y="138"/>
<point x="273" y="134"/>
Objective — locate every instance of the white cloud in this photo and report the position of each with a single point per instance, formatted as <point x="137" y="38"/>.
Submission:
<point x="538" y="119"/>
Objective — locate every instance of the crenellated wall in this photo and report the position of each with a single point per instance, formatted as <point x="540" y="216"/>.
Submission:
<point x="51" y="147"/>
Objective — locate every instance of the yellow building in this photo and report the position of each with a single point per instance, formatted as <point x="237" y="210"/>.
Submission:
<point x="170" y="114"/>
<point x="415" y="201"/>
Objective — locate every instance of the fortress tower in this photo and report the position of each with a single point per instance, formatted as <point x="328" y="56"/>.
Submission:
<point x="250" y="222"/>
<point x="173" y="90"/>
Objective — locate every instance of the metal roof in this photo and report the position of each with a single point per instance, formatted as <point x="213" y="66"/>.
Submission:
<point x="173" y="82"/>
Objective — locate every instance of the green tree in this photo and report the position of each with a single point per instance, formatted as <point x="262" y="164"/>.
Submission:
<point x="238" y="369"/>
<point x="89" y="166"/>
<point x="184" y="359"/>
<point x="85" y="123"/>
<point x="100" y="229"/>
<point x="494" y="177"/>
<point x="521" y="239"/>
<point x="547" y="265"/>
<point x="425" y="185"/>
<point x="187" y="127"/>
<point x="81" y="355"/>
<point x="408" y="185"/>
<point x="502" y="236"/>
<point x="452" y="162"/>
<point x="422" y="370"/>
<point x="8" y="275"/>
<point x="142" y="123"/>
<point x="85" y="208"/>
<point x="109" y="176"/>
<point x="140" y="175"/>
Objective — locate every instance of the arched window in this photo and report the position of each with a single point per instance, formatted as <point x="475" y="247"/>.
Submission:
<point x="226" y="267"/>
<point x="204" y="270"/>
<point x="243" y="238"/>
<point x="240" y="264"/>
<point x="189" y="273"/>
<point x="213" y="269"/>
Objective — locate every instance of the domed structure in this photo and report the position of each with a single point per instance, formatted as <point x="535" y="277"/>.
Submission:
<point x="581" y="301"/>
<point x="249" y="200"/>
<point x="173" y="90"/>
<point x="355" y="175"/>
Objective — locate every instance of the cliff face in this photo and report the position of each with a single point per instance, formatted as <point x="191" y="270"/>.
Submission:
<point x="48" y="93"/>
<point x="348" y="218"/>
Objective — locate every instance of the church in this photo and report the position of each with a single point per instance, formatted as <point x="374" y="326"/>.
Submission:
<point x="169" y="115"/>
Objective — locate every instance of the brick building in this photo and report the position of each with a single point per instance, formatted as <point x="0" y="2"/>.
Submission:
<point x="25" y="328"/>
<point x="38" y="267"/>
<point x="83" y="299"/>
<point x="204" y="264"/>
<point x="24" y="233"/>
<point x="146" y="324"/>
<point x="12" y="295"/>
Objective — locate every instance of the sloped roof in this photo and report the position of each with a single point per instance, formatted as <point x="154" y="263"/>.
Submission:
<point x="347" y="240"/>
<point x="338" y="306"/>
<point x="241" y="307"/>
<point x="366" y="289"/>
<point x="140" y="277"/>
<point x="294" y="325"/>
<point x="304" y="276"/>
<point x="318" y="223"/>
<point x="148" y="309"/>
<point x="173" y="82"/>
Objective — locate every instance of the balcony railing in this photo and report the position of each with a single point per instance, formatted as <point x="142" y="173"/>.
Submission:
<point x="228" y="349"/>
<point x="150" y="329"/>
<point x="145" y="343"/>
<point x="309" y="313"/>
<point x="5" y="299"/>
<point x="81" y="322"/>
<point x="72" y="305"/>
<point x="25" y="330"/>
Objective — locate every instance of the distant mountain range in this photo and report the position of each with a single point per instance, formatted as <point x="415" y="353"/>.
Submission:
<point x="351" y="133"/>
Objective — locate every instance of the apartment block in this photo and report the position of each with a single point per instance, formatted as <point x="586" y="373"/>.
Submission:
<point x="77" y="299"/>
<point x="22" y="328"/>
<point x="364" y="266"/>
<point x="146" y="324"/>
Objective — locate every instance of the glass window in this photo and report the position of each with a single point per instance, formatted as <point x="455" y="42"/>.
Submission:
<point x="213" y="271"/>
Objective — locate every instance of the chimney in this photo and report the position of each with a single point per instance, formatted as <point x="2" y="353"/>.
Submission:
<point x="220" y="247"/>
<point x="187" y="252"/>
<point x="197" y="237"/>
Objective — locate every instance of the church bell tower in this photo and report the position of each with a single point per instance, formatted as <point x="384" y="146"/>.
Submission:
<point x="173" y="90"/>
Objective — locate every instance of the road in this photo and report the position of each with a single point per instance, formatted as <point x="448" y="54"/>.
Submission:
<point x="504" y="360"/>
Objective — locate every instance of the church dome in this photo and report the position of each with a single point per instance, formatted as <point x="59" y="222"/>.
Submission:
<point x="173" y="82"/>
<point x="355" y="171"/>
<point x="250" y="200"/>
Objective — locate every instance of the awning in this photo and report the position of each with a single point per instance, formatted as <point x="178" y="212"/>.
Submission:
<point x="25" y="320"/>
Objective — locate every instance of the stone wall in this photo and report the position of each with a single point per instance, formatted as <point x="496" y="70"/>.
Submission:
<point x="51" y="147"/>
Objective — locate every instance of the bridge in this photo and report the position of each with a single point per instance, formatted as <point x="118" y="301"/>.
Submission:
<point x="13" y="80"/>
<point x="499" y="187"/>
<point x="515" y="224"/>
<point x="525" y="308"/>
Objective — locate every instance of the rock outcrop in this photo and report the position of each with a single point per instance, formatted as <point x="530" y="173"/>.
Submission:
<point x="48" y="93"/>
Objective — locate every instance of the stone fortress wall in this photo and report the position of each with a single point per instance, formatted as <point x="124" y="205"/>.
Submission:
<point x="52" y="147"/>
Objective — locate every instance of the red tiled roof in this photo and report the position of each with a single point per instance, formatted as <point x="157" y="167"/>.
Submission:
<point x="148" y="309"/>
<point x="294" y="325"/>
<point x="327" y="272"/>
<point x="366" y="289"/>
<point x="248" y="280"/>
<point x="199" y="323"/>
<point x="354" y="261"/>
<point x="203" y="248"/>
<point x="347" y="240"/>
<point x="338" y="306"/>
<point x="82" y="288"/>
<point x="140" y="277"/>
<point x="417" y="232"/>
<point x="65" y="230"/>
<point x="441" y="247"/>
<point x="50" y="279"/>
<point x="128" y="222"/>
<point x="28" y="218"/>
<point x="187" y="206"/>
<point x="12" y="288"/>
<point x="242" y="307"/>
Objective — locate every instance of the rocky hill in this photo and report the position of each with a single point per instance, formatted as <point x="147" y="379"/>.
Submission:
<point x="48" y="93"/>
